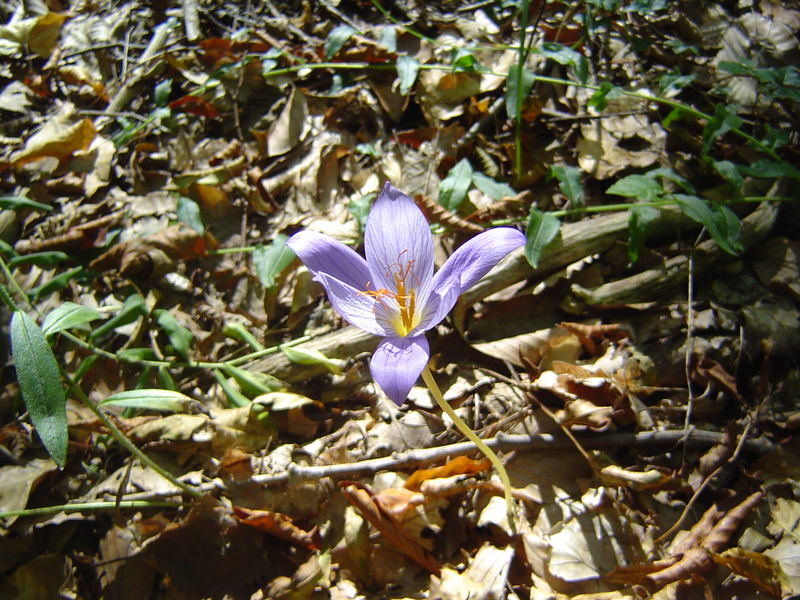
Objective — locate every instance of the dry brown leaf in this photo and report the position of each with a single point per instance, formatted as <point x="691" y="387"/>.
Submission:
<point x="394" y="535"/>
<point x="59" y="138"/>
<point x="279" y="525"/>
<point x="460" y="465"/>
<point x="762" y="570"/>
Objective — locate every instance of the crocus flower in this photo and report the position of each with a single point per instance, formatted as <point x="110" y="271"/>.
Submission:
<point x="394" y="293"/>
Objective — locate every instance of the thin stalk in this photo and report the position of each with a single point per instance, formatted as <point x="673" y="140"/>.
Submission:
<point x="87" y="507"/>
<point x="519" y="67"/>
<point x="427" y="377"/>
<point x="123" y="440"/>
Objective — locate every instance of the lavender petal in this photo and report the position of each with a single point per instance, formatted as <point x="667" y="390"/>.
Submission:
<point x="323" y="254"/>
<point x="397" y="363"/>
<point x="465" y="267"/>
<point x="397" y="238"/>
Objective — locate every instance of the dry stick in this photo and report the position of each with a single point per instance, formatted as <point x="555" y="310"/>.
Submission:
<point x="421" y="457"/>
<point x="427" y="377"/>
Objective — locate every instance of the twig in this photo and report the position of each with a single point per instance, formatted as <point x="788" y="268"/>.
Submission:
<point x="424" y="456"/>
<point x="191" y="20"/>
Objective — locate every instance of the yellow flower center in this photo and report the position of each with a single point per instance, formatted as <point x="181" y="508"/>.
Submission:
<point x="404" y="295"/>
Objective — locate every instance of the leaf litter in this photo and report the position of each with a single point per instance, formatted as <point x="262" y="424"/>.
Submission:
<point x="640" y="383"/>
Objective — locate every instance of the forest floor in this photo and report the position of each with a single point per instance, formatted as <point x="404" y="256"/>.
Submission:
<point x="184" y="415"/>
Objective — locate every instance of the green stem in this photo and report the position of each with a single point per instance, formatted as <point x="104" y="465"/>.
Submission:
<point x="126" y="443"/>
<point x="427" y="377"/>
<point x="88" y="506"/>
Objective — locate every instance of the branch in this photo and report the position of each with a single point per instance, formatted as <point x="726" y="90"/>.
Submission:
<point x="421" y="457"/>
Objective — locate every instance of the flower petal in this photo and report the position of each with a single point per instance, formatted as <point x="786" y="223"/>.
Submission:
<point x="465" y="267"/>
<point x="397" y="238"/>
<point x="356" y="307"/>
<point x="323" y="254"/>
<point x="397" y="363"/>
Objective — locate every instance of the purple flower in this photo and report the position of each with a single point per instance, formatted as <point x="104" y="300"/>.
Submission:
<point x="394" y="292"/>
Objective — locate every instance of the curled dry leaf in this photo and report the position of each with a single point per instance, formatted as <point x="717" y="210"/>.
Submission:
<point x="278" y="525"/>
<point x="60" y="138"/>
<point x="393" y="533"/>
<point x="460" y="465"/>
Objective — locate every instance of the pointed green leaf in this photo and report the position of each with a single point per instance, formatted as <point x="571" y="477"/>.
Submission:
<point x="494" y="189"/>
<point x="40" y="259"/>
<point x="518" y="86"/>
<point x="270" y="260"/>
<point x="641" y="187"/>
<point x="453" y="188"/>
<point x="15" y="202"/>
<point x="302" y="356"/>
<point x="639" y="220"/>
<point x="407" y="69"/>
<point x="133" y="308"/>
<point x="153" y="399"/>
<point x="67" y="316"/>
<point x="543" y="228"/>
<point x="179" y="336"/>
<point x="721" y="223"/>
<point x="336" y="39"/>
<point x="569" y="181"/>
<point x="40" y="385"/>
<point x="189" y="212"/>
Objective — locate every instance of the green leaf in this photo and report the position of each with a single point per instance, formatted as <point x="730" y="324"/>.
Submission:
<point x="237" y="331"/>
<point x="40" y="385"/>
<point x="599" y="99"/>
<point x="463" y="59"/>
<point x="153" y="399"/>
<point x="516" y="84"/>
<point x="235" y="397"/>
<point x="15" y="202"/>
<point x="729" y="172"/>
<point x="253" y="383"/>
<point x="303" y="356"/>
<point x="721" y="223"/>
<point x="359" y="208"/>
<point x="336" y="39"/>
<point x="179" y="336"/>
<point x="569" y="181"/>
<point x="136" y="354"/>
<point x="641" y="187"/>
<point x="543" y="228"/>
<point x="453" y="188"/>
<point x="133" y="308"/>
<point x="567" y="56"/>
<point x="639" y="220"/>
<point x="67" y="316"/>
<point x="407" y="70"/>
<point x="189" y="212"/>
<point x="494" y="189"/>
<point x="162" y="92"/>
<point x="766" y="168"/>
<point x="40" y="259"/>
<point x="270" y="260"/>
<point x="722" y="122"/>
<point x="54" y="284"/>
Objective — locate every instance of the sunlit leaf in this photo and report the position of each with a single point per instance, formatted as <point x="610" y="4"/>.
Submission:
<point x="302" y="356"/>
<point x="67" y="316"/>
<point x="15" y="202"/>
<point x="336" y="39"/>
<point x="543" y="228"/>
<point x="407" y="69"/>
<point x="569" y="182"/>
<point x="152" y="399"/>
<point x="453" y="188"/>
<point x="641" y="187"/>
<point x="188" y="212"/>
<point x="496" y="190"/>
<point x="40" y="385"/>
<point x="518" y="86"/>
<point x="179" y="336"/>
<point x="270" y="260"/>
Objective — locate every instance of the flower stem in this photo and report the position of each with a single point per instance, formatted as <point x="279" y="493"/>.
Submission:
<point x="473" y="437"/>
